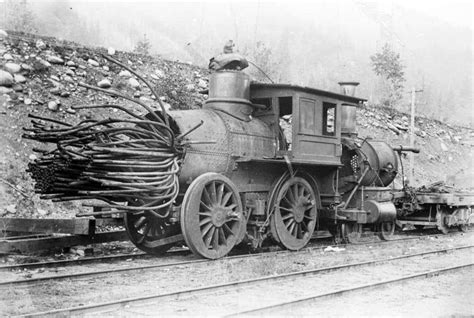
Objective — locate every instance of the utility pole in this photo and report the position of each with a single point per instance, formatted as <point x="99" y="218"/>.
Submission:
<point x="411" y="178"/>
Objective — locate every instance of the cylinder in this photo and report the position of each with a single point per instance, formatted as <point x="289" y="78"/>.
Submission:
<point x="380" y="211"/>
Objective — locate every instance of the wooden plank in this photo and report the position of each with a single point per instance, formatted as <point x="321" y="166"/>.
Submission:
<point x="109" y="222"/>
<point x="82" y="226"/>
<point x="47" y="243"/>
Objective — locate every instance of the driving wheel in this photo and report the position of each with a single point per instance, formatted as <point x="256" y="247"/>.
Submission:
<point x="212" y="220"/>
<point x="295" y="213"/>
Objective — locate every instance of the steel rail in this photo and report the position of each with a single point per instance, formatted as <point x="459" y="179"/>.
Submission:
<point x="117" y="304"/>
<point x="344" y="291"/>
<point x="125" y="256"/>
<point x="72" y="261"/>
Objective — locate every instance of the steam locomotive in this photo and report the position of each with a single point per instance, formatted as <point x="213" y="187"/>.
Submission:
<point x="244" y="175"/>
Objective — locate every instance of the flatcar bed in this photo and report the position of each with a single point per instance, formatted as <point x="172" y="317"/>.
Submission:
<point x="451" y="199"/>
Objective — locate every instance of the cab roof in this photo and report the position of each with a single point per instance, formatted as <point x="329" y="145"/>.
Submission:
<point x="315" y="91"/>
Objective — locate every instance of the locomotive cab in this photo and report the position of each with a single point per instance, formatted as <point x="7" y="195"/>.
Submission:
<point x="305" y="121"/>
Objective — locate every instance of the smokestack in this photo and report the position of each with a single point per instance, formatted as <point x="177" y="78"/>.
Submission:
<point x="348" y="88"/>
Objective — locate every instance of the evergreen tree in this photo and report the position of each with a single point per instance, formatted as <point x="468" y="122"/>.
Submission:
<point x="388" y="65"/>
<point x="143" y="46"/>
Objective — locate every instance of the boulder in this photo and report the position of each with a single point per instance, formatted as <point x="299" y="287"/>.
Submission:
<point x="55" y="91"/>
<point x="53" y="106"/>
<point x="6" y="79"/>
<point x="41" y="65"/>
<point x="3" y="34"/>
<point x="27" y="67"/>
<point x="17" y="88"/>
<point x="67" y="78"/>
<point x="54" y="59"/>
<point x="133" y="83"/>
<point x="5" y="90"/>
<point x="7" y="57"/>
<point x="111" y="51"/>
<point x="202" y="83"/>
<point x="40" y="44"/>
<point x="125" y="73"/>
<point x="93" y="62"/>
<point x="70" y="63"/>
<point x="105" y="83"/>
<point x="12" y="67"/>
<point x="19" y="78"/>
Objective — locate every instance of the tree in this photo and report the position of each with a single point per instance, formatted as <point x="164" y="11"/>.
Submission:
<point x="19" y="17"/>
<point x="143" y="46"/>
<point x="388" y="65"/>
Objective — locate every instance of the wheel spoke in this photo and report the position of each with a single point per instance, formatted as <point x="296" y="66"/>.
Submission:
<point x="215" y="239"/>
<point x="289" y="222"/>
<point x="286" y="209"/>
<point x="298" y="231"/>
<point x="139" y="223"/>
<point x="289" y="215"/>
<point x="296" y="191"/>
<point x="205" y="221"/>
<point x="205" y="213"/>
<point x="205" y="196"/>
<point x="287" y="201"/>
<point x="291" y="227"/>
<point x="145" y="232"/>
<point x="226" y="198"/>
<point x="231" y="207"/>
<point x="302" y="191"/>
<point x="205" y="206"/>
<point x="303" y="225"/>
<point x="209" y="236"/>
<point x="289" y="195"/>
<point x="212" y="191"/>
<point x="222" y="236"/>
<point x="220" y="192"/>
<point x="206" y="229"/>
<point x="228" y="229"/>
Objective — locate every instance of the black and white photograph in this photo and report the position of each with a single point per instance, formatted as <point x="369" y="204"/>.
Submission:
<point x="236" y="158"/>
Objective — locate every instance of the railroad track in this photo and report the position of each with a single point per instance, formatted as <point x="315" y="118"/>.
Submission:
<point x="408" y="235"/>
<point x="171" y="264"/>
<point x="130" y="305"/>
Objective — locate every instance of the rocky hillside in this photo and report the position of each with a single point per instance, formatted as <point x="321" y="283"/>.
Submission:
<point x="40" y="75"/>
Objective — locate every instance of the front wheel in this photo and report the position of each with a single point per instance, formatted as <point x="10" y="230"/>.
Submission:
<point x="212" y="218"/>
<point x="148" y="232"/>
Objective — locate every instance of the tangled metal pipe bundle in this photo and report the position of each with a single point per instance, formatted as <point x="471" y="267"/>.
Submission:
<point x="129" y="163"/>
